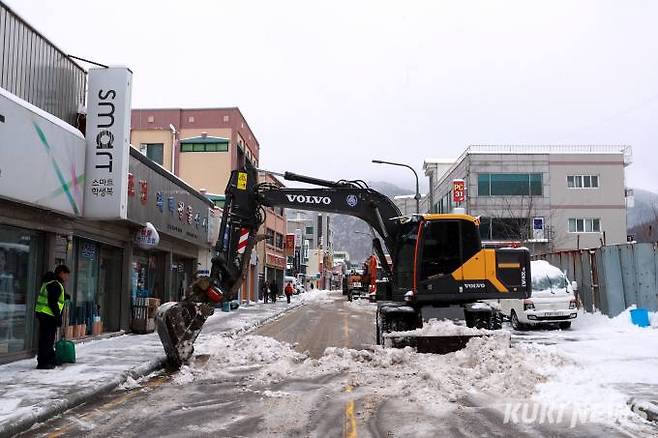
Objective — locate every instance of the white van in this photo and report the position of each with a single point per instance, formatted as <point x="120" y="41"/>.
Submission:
<point x="552" y="300"/>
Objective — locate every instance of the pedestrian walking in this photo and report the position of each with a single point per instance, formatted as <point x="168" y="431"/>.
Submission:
<point x="274" y="291"/>
<point x="264" y="291"/>
<point x="288" y="290"/>
<point x="50" y="304"/>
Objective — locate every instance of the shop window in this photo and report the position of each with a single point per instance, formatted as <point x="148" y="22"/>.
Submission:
<point x="585" y="225"/>
<point x="510" y="184"/>
<point x="20" y="270"/>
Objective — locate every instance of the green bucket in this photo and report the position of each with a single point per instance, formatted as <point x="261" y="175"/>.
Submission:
<point x="65" y="351"/>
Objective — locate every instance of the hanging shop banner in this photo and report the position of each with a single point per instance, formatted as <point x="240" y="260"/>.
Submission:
<point x="458" y="191"/>
<point x="42" y="158"/>
<point x="108" y="143"/>
<point x="290" y="244"/>
<point x="147" y="237"/>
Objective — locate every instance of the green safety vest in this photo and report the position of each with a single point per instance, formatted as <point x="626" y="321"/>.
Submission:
<point x="42" y="301"/>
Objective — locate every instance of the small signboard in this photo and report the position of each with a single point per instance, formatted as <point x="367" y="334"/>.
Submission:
<point x="147" y="237"/>
<point x="458" y="191"/>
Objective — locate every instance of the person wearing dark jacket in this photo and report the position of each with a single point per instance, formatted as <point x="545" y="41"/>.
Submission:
<point x="50" y="304"/>
<point x="274" y="291"/>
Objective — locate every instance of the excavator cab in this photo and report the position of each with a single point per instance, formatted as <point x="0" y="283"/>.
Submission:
<point x="448" y="264"/>
<point x="440" y="262"/>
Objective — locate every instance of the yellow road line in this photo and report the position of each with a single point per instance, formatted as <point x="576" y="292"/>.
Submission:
<point x="350" y="419"/>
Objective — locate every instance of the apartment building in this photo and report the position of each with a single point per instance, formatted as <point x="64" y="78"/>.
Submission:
<point x="199" y="145"/>
<point x="546" y="197"/>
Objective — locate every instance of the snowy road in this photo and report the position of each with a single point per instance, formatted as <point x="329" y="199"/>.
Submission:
<point x="326" y="380"/>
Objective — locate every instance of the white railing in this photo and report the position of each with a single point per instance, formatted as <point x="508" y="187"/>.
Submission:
<point x="552" y="149"/>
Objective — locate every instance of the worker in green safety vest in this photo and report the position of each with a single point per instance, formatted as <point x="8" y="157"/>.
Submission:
<point x="50" y="303"/>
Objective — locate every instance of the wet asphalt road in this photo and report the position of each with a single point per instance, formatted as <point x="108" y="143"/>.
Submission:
<point x="234" y="406"/>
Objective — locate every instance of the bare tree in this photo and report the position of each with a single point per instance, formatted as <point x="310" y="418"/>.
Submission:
<point x="512" y="220"/>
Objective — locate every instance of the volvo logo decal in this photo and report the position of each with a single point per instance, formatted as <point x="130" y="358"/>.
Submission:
<point x="352" y="200"/>
<point x="308" y="199"/>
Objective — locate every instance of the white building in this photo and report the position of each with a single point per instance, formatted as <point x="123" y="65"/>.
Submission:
<point x="549" y="198"/>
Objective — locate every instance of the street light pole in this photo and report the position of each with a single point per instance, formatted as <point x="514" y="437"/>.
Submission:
<point x="417" y="196"/>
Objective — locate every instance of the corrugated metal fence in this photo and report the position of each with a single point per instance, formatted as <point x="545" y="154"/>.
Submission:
<point x="34" y="69"/>
<point x="614" y="277"/>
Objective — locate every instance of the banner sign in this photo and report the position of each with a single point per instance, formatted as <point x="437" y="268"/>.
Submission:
<point x="290" y="244"/>
<point x="458" y="191"/>
<point x="108" y="143"/>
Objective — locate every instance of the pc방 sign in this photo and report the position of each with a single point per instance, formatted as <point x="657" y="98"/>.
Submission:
<point x="108" y="143"/>
<point x="458" y="191"/>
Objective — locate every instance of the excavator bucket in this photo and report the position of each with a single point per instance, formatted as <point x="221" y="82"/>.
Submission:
<point x="178" y="325"/>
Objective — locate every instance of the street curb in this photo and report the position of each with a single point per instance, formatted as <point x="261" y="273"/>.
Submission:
<point x="57" y="407"/>
<point x="645" y="408"/>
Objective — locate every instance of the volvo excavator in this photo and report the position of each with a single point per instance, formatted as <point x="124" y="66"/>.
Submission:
<point x="436" y="259"/>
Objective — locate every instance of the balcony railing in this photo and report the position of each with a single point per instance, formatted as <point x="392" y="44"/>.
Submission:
<point x="34" y="69"/>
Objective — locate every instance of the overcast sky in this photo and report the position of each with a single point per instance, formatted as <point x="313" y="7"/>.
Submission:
<point x="328" y="87"/>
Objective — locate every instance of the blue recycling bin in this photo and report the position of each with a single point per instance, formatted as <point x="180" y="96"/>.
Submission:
<point x="640" y="317"/>
<point x="226" y="306"/>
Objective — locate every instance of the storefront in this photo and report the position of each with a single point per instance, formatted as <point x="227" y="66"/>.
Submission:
<point x="21" y="260"/>
<point x="275" y="265"/>
<point x="179" y="216"/>
<point x="96" y="285"/>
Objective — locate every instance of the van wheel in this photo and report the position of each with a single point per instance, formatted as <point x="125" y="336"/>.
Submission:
<point x="565" y="325"/>
<point x="516" y="324"/>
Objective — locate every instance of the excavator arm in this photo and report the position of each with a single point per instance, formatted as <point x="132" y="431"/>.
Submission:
<point x="179" y="324"/>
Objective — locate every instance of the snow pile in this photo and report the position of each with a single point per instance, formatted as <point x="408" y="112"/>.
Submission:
<point x="487" y="364"/>
<point x="315" y="295"/>
<point x="548" y="280"/>
<point x="130" y="384"/>
<point x="598" y="322"/>
<point x="441" y="327"/>
<point x="230" y="353"/>
<point x="610" y="360"/>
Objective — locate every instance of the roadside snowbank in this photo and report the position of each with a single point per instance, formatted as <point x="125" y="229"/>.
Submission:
<point x="597" y="322"/>
<point x="611" y="361"/>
